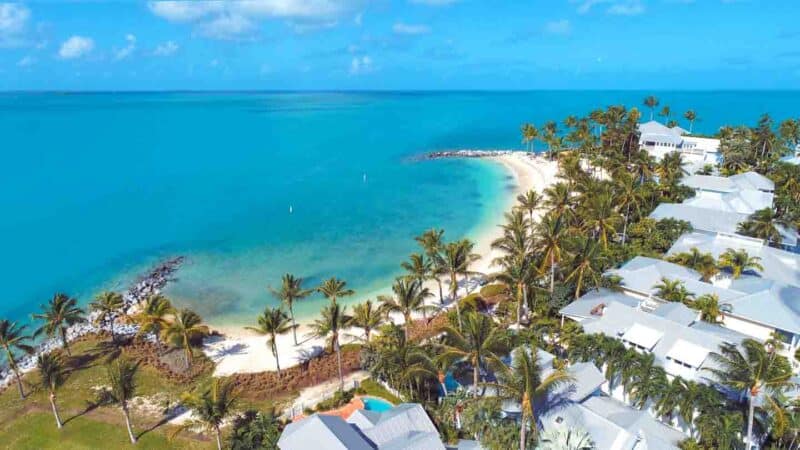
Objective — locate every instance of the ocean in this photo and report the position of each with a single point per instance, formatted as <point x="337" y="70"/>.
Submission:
<point x="95" y="187"/>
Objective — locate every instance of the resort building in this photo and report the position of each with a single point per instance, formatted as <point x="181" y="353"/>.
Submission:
<point x="794" y="158"/>
<point x="695" y="152"/>
<point x="403" y="427"/>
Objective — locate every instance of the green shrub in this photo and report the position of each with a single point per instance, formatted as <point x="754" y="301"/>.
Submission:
<point x="339" y="399"/>
<point x="493" y="290"/>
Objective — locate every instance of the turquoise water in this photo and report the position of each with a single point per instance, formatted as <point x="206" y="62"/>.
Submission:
<point x="95" y="187"/>
<point x="376" y="404"/>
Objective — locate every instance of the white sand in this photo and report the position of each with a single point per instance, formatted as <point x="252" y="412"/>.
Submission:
<point x="242" y="351"/>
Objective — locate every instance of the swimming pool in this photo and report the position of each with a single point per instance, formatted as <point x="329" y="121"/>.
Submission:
<point x="376" y="404"/>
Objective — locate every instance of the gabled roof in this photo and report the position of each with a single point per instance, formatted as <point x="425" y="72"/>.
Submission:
<point x="702" y="219"/>
<point x="676" y="312"/>
<point x="636" y="422"/>
<point x="770" y="303"/>
<point x="779" y="265"/>
<point x="322" y="431"/>
<point x="753" y="180"/>
<point x="402" y="422"/>
<point x="363" y="418"/>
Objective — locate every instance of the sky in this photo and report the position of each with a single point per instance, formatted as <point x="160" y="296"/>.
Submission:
<point x="400" y="44"/>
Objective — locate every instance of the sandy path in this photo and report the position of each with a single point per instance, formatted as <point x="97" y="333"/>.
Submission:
<point x="241" y="351"/>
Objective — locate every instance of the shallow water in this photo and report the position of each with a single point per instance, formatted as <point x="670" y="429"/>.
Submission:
<point x="95" y="187"/>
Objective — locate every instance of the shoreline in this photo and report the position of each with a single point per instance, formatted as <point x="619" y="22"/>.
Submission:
<point x="243" y="351"/>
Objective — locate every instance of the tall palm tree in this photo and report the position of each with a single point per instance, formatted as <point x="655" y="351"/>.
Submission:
<point x="401" y="362"/>
<point x="628" y="197"/>
<point x="530" y="202"/>
<point x="107" y="306"/>
<point x="212" y="406"/>
<point x="552" y="235"/>
<point x="291" y="290"/>
<point x="516" y="272"/>
<point x="529" y="134"/>
<point x="154" y="316"/>
<point x="334" y="288"/>
<point x="523" y="383"/>
<point x="409" y="297"/>
<point x="651" y="102"/>
<point x="431" y="243"/>
<point x="666" y="113"/>
<point x="691" y="116"/>
<point x="334" y="319"/>
<point x="739" y="261"/>
<point x="272" y="323"/>
<point x="708" y="305"/>
<point x="754" y="371"/>
<point x="647" y="382"/>
<point x="419" y="268"/>
<point x="764" y="224"/>
<point x="58" y="315"/>
<point x="52" y="374"/>
<point x="586" y="260"/>
<point x="122" y="379"/>
<point x="184" y="331"/>
<point x="672" y="291"/>
<point x="697" y="260"/>
<point x="480" y="343"/>
<point x="368" y="317"/>
<point x="558" y="201"/>
<point x="455" y="258"/>
<point x="13" y="337"/>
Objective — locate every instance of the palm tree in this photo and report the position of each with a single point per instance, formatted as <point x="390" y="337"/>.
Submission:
<point x="529" y="201"/>
<point x="107" y="306"/>
<point x="672" y="291"/>
<point x="153" y="317"/>
<point x="563" y="438"/>
<point x="552" y="236"/>
<point x="708" y="305"/>
<point x="628" y="197"/>
<point x="651" y="102"/>
<point x="291" y="290"/>
<point x="211" y="406"/>
<point x="666" y="113"/>
<point x="419" y="267"/>
<point x="13" y="337"/>
<point x="755" y="372"/>
<point x="739" y="261"/>
<point x="367" y="317"/>
<point x="334" y="288"/>
<point x="558" y="201"/>
<point x="695" y="259"/>
<point x="409" y="297"/>
<point x="122" y="379"/>
<point x="455" y="259"/>
<point x="431" y="243"/>
<point x="400" y="361"/>
<point x="184" y="331"/>
<point x="764" y="224"/>
<point x="334" y="319"/>
<point x="587" y="262"/>
<point x="691" y="116"/>
<point x="53" y="374"/>
<point x="273" y="322"/>
<point x="647" y="380"/>
<point x="529" y="134"/>
<point x="523" y="383"/>
<point x="517" y="273"/>
<point x="480" y="343"/>
<point x="58" y="315"/>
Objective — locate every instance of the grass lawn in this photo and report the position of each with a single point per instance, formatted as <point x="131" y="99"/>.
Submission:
<point x="29" y="423"/>
<point x="374" y="389"/>
<point x="37" y="430"/>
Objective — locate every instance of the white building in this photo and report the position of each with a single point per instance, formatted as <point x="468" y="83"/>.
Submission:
<point x="696" y="152"/>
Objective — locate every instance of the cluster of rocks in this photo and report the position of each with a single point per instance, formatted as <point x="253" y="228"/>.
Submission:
<point x="466" y="153"/>
<point x="146" y="285"/>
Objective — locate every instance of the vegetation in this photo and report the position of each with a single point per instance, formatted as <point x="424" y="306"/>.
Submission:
<point x="107" y="307"/>
<point x="186" y="331"/>
<point x="13" y="338"/>
<point x="291" y="290"/>
<point x="58" y="315"/>
<point x="211" y="406"/>
<point x="272" y="323"/>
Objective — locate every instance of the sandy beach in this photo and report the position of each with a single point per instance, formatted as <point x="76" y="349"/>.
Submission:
<point x="242" y="351"/>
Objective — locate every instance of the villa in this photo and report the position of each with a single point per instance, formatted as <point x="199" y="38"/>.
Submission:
<point x="658" y="140"/>
<point x="403" y="427"/>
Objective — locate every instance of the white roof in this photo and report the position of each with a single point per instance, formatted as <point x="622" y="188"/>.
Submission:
<point x="642" y="336"/>
<point x="686" y="352"/>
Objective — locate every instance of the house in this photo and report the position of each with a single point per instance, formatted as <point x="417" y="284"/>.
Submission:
<point x="404" y="427"/>
<point x="658" y="140"/>
<point x="744" y="193"/>
<point x="794" y="158"/>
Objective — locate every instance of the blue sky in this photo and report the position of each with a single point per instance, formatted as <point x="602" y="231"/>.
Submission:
<point x="401" y="44"/>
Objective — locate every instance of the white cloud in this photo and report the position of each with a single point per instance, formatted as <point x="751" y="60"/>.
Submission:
<point x="13" y="23"/>
<point x="405" y="28"/>
<point x="360" y="65"/>
<point x="239" y="18"/>
<point x="615" y="7"/>
<point x="75" y="47"/>
<point x="562" y="26"/>
<point x="166" y="49"/>
<point x="27" y="61"/>
<point x="126" y="51"/>
<point x="227" y="27"/>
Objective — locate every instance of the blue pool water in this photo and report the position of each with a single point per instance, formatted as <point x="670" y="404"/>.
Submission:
<point x="96" y="187"/>
<point x="376" y="404"/>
